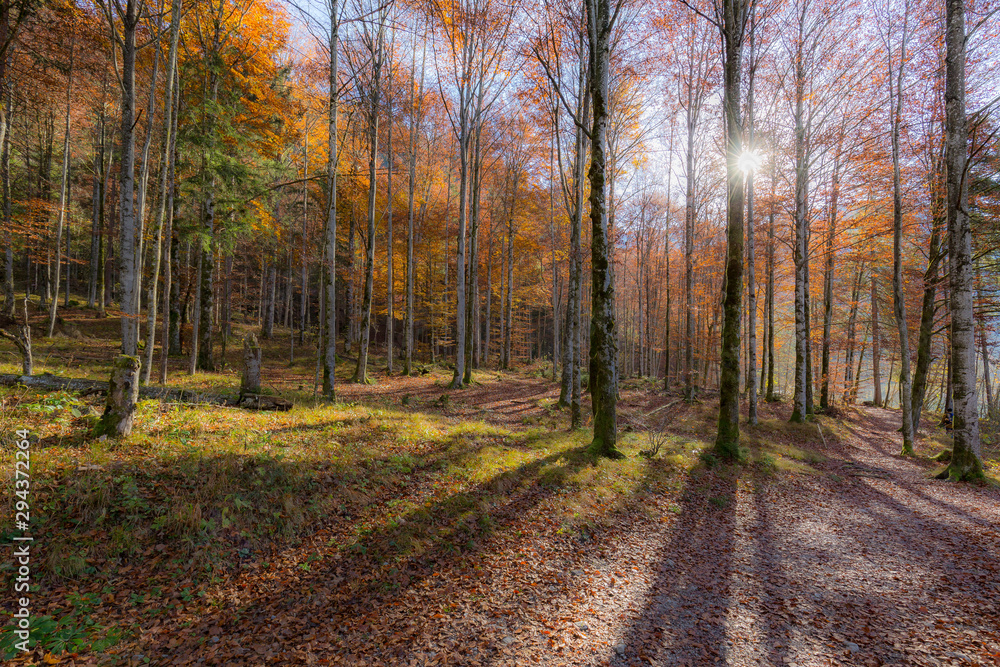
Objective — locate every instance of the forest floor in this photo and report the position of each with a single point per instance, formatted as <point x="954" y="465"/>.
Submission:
<point x="414" y="525"/>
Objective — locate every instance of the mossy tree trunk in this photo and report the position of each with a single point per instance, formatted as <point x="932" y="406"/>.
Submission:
<point x="124" y="384"/>
<point x="250" y="381"/>
<point x="123" y="392"/>
<point x="603" y="338"/>
<point x="727" y="440"/>
<point x="966" y="461"/>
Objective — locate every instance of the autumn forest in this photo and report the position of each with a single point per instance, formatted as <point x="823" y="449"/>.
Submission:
<point x="446" y="317"/>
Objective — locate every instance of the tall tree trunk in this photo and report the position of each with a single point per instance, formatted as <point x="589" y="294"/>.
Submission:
<point x="667" y="368"/>
<point x="966" y="460"/>
<point x="690" y="383"/>
<point x="555" y="267"/>
<point x="463" y="195"/>
<point x="603" y="344"/>
<point x="801" y="243"/>
<point x="415" y="112"/>
<point x="728" y="439"/>
<point x="330" y="286"/>
<point x="8" y="270"/>
<point x="390" y="299"/>
<point x="472" y="272"/>
<point x="769" y="393"/>
<point x="351" y="306"/>
<point x="304" y="273"/>
<point x="54" y="304"/>
<point x="928" y="308"/>
<point x="831" y="232"/>
<point x="990" y="406"/>
<point x="140" y="199"/>
<point x="194" y="283"/>
<point x="899" y="297"/>
<point x="166" y="183"/>
<point x="120" y="408"/>
<point x="810" y="386"/>
<point x="876" y="348"/>
<point x="852" y="319"/>
<point x="509" y="299"/>
<point x="206" y="299"/>
<point x="751" y="374"/>
<point x="361" y="370"/>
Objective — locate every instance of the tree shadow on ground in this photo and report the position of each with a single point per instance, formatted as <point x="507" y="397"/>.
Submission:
<point x="684" y="619"/>
<point x="355" y="588"/>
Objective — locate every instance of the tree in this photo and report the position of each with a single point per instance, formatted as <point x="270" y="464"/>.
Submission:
<point x="475" y="34"/>
<point x="562" y="52"/>
<point x="966" y="459"/>
<point x="123" y="392"/>
<point x="731" y="19"/>
<point x="601" y="18"/>
<point x="330" y="240"/>
<point x="167" y="175"/>
<point x="416" y="113"/>
<point x="899" y="299"/>
<point x="63" y="203"/>
<point x="366" y="66"/>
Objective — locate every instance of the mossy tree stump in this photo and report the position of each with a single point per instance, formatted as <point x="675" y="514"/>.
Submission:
<point x="123" y="393"/>
<point x="250" y="382"/>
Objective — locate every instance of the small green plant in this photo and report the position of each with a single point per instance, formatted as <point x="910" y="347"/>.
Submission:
<point x="708" y="458"/>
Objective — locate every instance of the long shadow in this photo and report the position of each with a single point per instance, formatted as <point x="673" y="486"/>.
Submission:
<point x="766" y="569"/>
<point x="352" y="592"/>
<point x="684" y="621"/>
<point x="855" y="573"/>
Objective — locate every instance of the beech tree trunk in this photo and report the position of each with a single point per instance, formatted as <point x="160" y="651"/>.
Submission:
<point x="373" y="93"/>
<point x="928" y="309"/>
<point x="751" y="373"/>
<point x="876" y="348"/>
<point x="166" y="184"/>
<point x="603" y="342"/>
<point x="966" y="460"/>
<point x="769" y="393"/>
<point x="734" y="13"/>
<point x="899" y="297"/>
<point x="824" y="395"/>
<point x="852" y="319"/>
<point x="54" y="304"/>
<point x="8" y="270"/>
<point x="390" y="297"/>
<point x="693" y="105"/>
<point x="120" y="409"/>
<point x="801" y="243"/>
<point x="330" y="286"/>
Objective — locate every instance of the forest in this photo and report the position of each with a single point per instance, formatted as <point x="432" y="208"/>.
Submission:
<point x="500" y="332"/>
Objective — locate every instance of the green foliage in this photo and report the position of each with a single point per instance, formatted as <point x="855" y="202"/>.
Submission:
<point x="73" y="632"/>
<point x="708" y="458"/>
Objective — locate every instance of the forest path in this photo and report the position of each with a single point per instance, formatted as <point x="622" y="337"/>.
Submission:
<point x="866" y="562"/>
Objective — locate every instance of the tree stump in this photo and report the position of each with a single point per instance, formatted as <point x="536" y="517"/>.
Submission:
<point x="123" y="392"/>
<point x="250" y="383"/>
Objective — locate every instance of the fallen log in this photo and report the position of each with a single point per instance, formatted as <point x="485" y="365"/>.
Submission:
<point x="171" y="394"/>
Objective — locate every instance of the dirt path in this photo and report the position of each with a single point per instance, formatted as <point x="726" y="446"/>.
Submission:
<point x="871" y="563"/>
